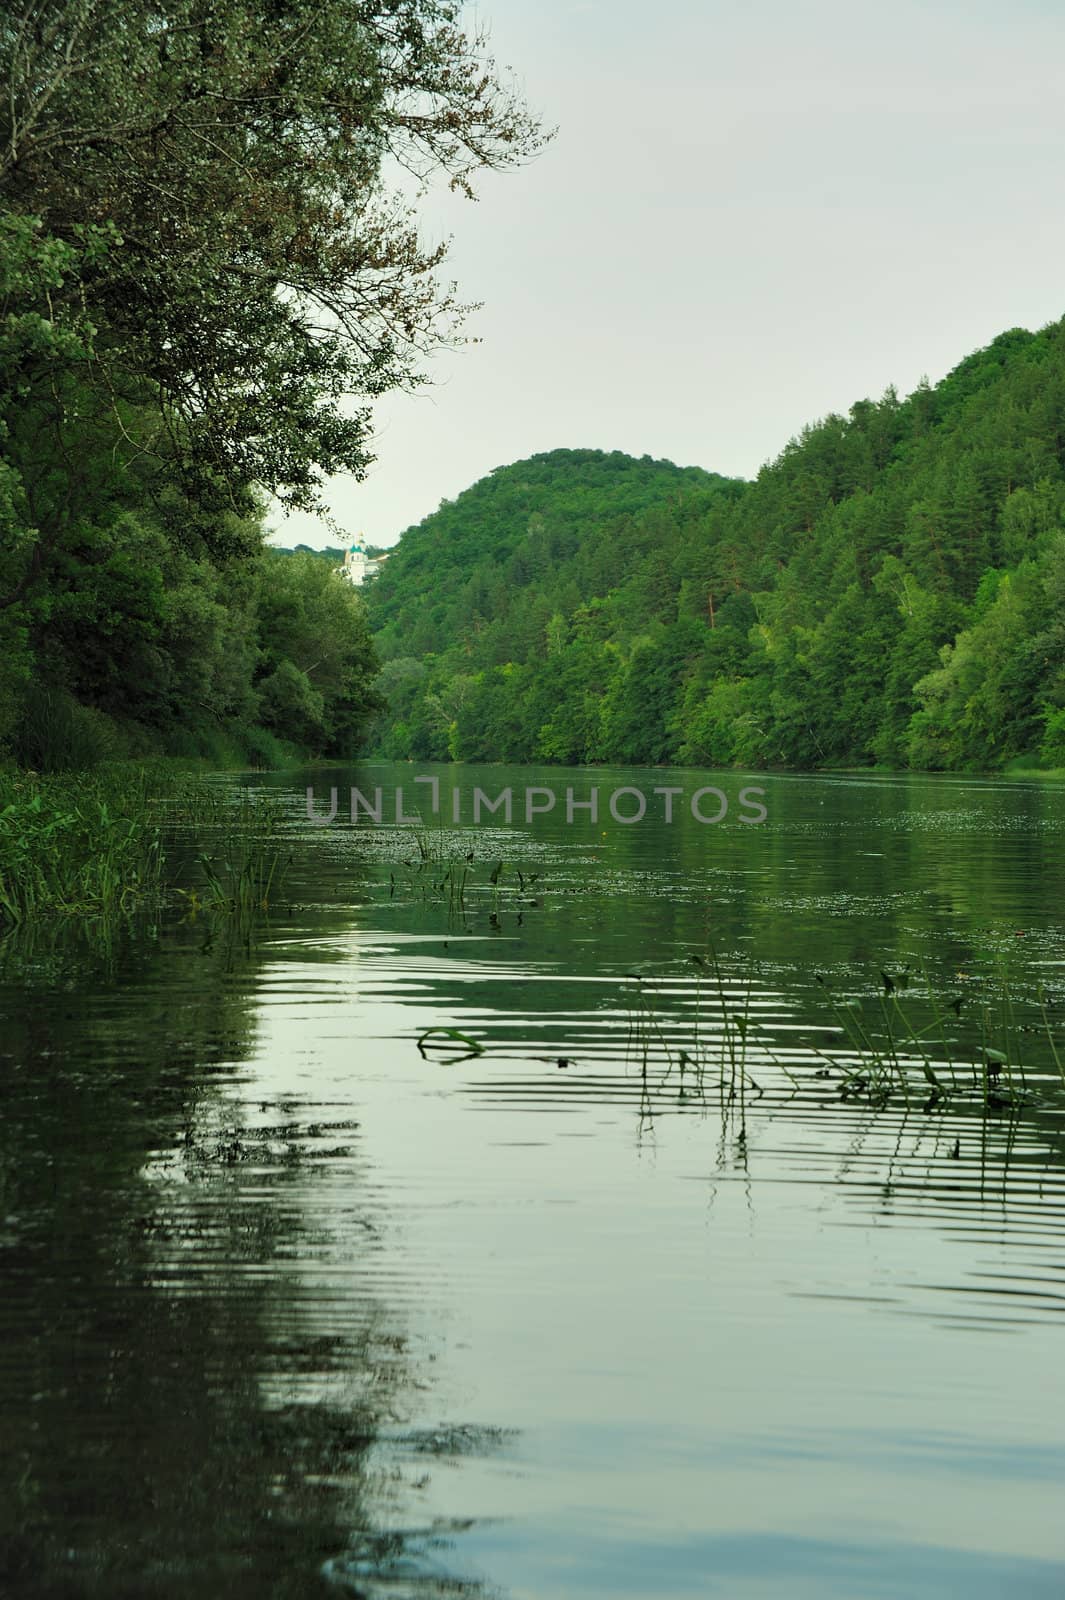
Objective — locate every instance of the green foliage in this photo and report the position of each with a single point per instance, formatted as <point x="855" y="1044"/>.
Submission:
<point x="85" y="847"/>
<point x="57" y="734"/>
<point x="890" y="590"/>
<point x="261" y="272"/>
<point x="133" y="645"/>
<point x="107" y="843"/>
<point x="317" y="659"/>
<point x="291" y="706"/>
<point x="495" y="573"/>
<point x="200" y="268"/>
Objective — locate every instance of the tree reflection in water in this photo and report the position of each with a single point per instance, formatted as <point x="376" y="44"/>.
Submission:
<point x="181" y="1413"/>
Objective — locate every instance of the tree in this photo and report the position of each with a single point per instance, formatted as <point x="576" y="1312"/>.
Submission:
<point x="316" y="654"/>
<point x="203" y="192"/>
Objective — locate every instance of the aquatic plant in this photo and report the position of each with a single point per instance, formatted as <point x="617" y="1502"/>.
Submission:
<point x="982" y="1050"/>
<point x="77" y="846"/>
<point x="711" y="1044"/>
<point x="112" y="841"/>
<point x="244" y="863"/>
<point x="452" y="876"/>
<point x="909" y="1041"/>
<point x="450" y="1039"/>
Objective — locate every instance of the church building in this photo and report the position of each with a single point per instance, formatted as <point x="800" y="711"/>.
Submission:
<point x="358" y="566"/>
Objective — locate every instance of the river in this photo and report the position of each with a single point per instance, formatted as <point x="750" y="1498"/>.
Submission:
<point x="623" y="1283"/>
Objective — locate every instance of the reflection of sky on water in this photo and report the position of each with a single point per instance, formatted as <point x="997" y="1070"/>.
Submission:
<point x="646" y="1342"/>
<point x="812" y="1353"/>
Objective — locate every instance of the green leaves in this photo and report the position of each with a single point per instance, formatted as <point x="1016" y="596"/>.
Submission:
<point x="316" y="654"/>
<point x="85" y="846"/>
<point x="210" y="186"/>
<point x="447" y="1039"/>
<point x="890" y="590"/>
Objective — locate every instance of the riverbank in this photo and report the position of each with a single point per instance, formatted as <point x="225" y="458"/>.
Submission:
<point x="92" y="844"/>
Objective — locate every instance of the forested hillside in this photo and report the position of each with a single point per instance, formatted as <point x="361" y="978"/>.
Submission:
<point x="891" y="589"/>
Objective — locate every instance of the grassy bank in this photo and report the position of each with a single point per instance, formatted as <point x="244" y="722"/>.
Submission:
<point x="83" y="844"/>
<point x="93" y="844"/>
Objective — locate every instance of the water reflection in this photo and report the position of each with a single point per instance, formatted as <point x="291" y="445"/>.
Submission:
<point x="625" y="1303"/>
<point x="180" y="1412"/>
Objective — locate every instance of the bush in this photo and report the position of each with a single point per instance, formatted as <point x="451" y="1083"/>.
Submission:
<point x="59" y="735"/>
<point x="292" y="707"/>
<point x="266" y="751"/>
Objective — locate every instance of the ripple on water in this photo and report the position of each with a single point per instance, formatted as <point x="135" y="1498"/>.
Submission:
<point x="632" y="1301"/>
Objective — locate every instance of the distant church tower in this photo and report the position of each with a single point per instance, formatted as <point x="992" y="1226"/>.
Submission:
<point x="358" y="566"/>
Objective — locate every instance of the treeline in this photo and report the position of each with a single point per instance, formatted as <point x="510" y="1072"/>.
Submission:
<point x="205" y="281"/>
<point x="140" y="614"/>
<point x="142" y="632"/>
<point x="890" y="590"/>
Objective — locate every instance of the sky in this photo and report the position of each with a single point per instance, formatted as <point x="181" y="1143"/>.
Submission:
<point x="754" y="212"/>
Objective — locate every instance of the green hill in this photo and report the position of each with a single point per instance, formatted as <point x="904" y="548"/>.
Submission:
<point x="890" y="589"/>
<point x="486" y="572"/>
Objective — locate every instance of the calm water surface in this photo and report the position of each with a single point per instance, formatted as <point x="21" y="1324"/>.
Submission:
<point x="290" y="1308"/>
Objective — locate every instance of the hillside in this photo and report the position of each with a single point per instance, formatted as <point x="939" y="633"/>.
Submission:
<point x="487" y="571"/>
<point x="891" y="589"/>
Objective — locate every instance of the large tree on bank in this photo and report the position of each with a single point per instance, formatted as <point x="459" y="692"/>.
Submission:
<point x="204" y="257"/>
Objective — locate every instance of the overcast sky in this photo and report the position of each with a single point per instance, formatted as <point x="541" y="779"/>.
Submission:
<point x="754" y="212"/>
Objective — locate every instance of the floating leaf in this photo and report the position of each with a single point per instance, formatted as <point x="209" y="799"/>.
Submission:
<point x="443" y="1036"/>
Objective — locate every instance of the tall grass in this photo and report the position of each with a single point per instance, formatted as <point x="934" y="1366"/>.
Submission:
<point x="245" y="863"/>
<point x="88" y="845"/>
<point x="57" y="734"/>
<point x="990" y="1048"/>
<point x="912" y="1043"/>
<point x="114" y="840"/>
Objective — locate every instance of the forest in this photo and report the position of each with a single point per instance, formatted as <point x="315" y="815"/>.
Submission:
<point x="889" y="591"/>
<point x="206" y="279"/>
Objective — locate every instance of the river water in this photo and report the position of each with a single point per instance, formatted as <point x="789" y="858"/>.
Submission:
<point x="625" y="1283"/>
